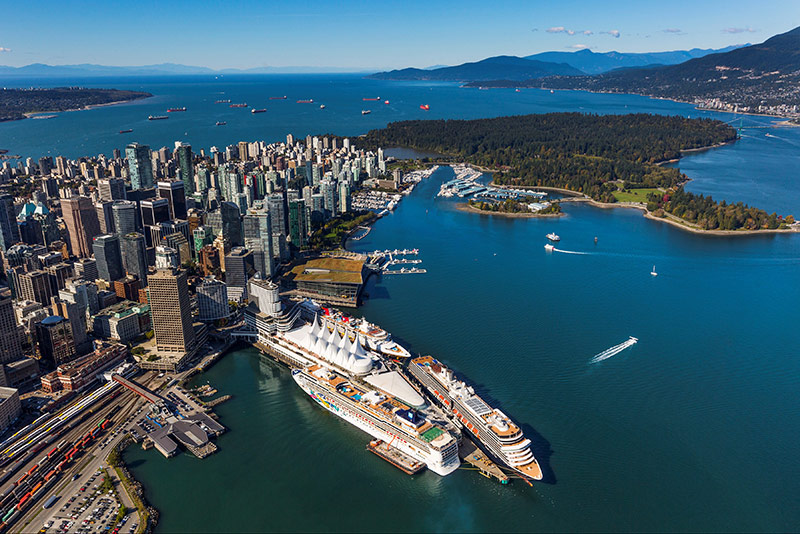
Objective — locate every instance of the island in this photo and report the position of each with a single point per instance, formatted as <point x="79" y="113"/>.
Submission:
<point x="511" y="207"/>
<point x="16" y="104"/>
<point x="607" y="159"/>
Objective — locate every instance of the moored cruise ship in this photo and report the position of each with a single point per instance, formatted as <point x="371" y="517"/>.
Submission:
<point x="501" y="437"/>
<point x="374" y="337"/>
<point x="381" y="416"/>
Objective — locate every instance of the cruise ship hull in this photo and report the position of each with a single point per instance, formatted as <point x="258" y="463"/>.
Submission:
<point x="374" y="427"/>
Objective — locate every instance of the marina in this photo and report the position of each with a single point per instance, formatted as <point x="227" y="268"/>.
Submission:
<point x="466" y="184"/>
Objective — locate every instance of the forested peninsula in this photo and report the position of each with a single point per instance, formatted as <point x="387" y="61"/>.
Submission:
<point x="16" y="103"/>
<point x="608" y="158"/>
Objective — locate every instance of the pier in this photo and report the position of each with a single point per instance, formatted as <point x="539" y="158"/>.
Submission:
<point x="478" y="460"/>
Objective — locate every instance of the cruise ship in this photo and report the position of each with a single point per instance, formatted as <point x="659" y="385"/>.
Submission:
<point x="373" y="337"/>
<point x="381" y="416"/>
<point x="337" y="371"/>
<point x="500" y="436"/>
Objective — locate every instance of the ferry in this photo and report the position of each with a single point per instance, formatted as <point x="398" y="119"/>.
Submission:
<point x="371" y="99"/>
<point x="238" y="105"/>
<point x="129" y="130"/>
<point x="381" y="416"/>
<point x="254" y="110"/>
<point x="220" y="123"/>
<point x="226" y="101"/>
<point x="172" y="110"/>
<point x="157" y="117"/>
<point x="365" y="112"/>
<point x="499" y="435"/>
<point x="309" y="101"/>
<point x="277" y="98"/>
<point x="552" y="236"/>
<point x="426" y="107"/>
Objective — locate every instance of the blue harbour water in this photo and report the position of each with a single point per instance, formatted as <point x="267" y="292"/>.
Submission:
<point x="695" y="428"/>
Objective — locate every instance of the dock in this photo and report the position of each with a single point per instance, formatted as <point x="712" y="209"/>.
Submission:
<point x="476" y="458"/>
<point x="397" y="458"/>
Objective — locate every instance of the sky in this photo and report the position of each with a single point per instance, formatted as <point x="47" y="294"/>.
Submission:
<point x="369" y="34"/>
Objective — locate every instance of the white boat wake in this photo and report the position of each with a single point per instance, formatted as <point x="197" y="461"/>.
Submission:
<point x="571" y="252"/>
<point x="616" y="349"/>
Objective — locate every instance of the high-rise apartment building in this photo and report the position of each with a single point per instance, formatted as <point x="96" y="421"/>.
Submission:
<point x="140" y="166"/>
<point x="184" y="153"/>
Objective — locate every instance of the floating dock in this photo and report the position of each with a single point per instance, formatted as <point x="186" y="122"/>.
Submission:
<point x="397" y="458"/>
<point x="477" y="459"/>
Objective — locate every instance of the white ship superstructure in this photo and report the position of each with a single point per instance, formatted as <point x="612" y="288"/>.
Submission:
<point x="494" y="429"/>
<point x="382" y="417"/>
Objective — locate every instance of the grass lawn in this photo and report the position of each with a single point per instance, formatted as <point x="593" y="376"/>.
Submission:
<point x="634" y="195"/>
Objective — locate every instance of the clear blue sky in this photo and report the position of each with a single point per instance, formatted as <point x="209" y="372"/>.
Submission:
<point x="369" y="34"/>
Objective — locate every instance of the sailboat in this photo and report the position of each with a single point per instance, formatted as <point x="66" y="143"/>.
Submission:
<point x="653" y="272"/>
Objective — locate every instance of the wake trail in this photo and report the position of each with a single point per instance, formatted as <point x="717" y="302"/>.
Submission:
<point x="613" y="351"/>
<point x="572" y="252"/>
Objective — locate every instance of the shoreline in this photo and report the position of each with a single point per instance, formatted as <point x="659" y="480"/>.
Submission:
<point x="463" y="206"/>
<point x="28" y="114"/>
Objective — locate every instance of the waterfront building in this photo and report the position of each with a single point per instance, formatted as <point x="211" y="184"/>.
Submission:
<point x="140" y="166"/>
<point x="82" y="224"/>
<point x="334" y="280"/>
<point x="134" y="255"/>
<point x="344" y="197"/>
<point x="212" y="300"/>
<point x="54" y="340"/>
<point x="266" y="296"/>
<point x="238" y="269"/>
<point x="108" y="256"/>
<point x="124" y="214"/>
<point x="171" y="312"/>
<point x="81" y="373"/>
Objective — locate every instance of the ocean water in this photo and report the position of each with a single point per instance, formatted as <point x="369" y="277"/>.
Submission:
<point x="694" y="428"/>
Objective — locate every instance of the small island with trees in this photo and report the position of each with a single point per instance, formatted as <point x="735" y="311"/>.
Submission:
<point x="16" y="104"/>
<point x="513" y="207"/>
<point x="609" y="160"/>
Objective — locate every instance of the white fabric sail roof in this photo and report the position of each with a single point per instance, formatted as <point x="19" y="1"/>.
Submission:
<point x="395" y="385"/>
<point x="333" y="346"/>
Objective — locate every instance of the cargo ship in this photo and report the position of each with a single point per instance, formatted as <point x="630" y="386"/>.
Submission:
<point x="426" y="107"/>
<point x="172" y="110"/>
<point x="157" y="117"/>
<point x="238" y="105"/>
<point x="129" y="130"/>
<point x="494" y="430"/>
<point x="226" y="101"/>
<point x="371" y="99"/>
<point x="254" y="110"/>
<point x="381" y="416"/>
<point x="277" y="98"/>
<point x="309" y="101"/>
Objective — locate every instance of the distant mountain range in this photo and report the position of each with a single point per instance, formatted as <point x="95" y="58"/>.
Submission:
<point x="762" y="78"/>
<point x="599" y="62"/>
<point x="90" y="70"/>
<point x="506" y="67"/>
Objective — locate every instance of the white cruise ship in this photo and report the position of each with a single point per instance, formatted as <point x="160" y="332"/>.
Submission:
<point x="499" y="435"/>
<point x="373" y="337"/>
<point x="381" y="416"/>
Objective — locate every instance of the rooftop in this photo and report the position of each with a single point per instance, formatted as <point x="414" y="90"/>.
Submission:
<point x="342" y="270"/>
